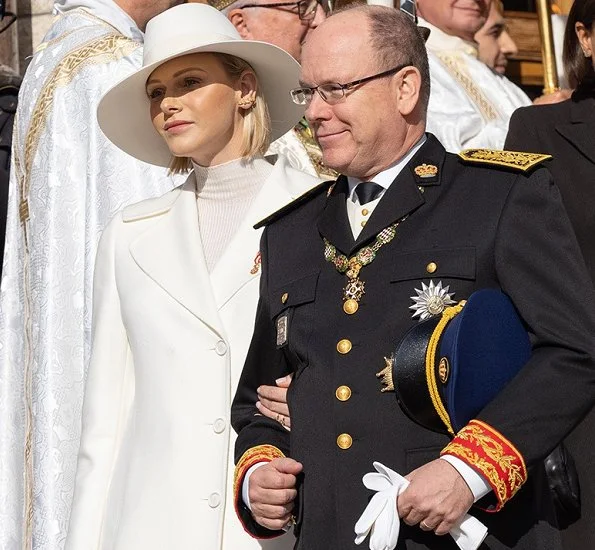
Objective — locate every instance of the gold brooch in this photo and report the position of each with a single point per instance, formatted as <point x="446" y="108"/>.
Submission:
<point x="257" y="262"/>
<point x="426" y="170"/>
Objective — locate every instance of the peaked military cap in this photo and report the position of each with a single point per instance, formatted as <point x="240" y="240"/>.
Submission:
<point x="447" y="369"/>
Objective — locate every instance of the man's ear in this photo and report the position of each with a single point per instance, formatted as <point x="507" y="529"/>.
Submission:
<point x="240" y="22"/>
<point x="408" y="90"/>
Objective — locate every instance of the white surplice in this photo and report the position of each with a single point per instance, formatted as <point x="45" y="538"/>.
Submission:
<point x="470" y="105"/>
<point x="67" y="181"/>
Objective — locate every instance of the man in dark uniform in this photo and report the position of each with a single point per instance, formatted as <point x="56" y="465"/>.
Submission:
<point x="406" y="230"/>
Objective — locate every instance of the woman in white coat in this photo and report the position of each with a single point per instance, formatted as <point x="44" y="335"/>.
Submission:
<point x="176" y="287"/>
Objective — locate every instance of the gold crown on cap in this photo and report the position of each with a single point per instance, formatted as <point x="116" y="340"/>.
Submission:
<point x="426" y="170"/>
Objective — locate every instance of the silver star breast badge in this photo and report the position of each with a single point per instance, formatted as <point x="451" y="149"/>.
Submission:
<point x="431" y="300"/>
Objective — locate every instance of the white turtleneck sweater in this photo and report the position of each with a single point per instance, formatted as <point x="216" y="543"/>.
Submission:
<point x="224" y="195"/>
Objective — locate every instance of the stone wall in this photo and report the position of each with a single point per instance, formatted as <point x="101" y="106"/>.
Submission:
<point x="18" y="43"/>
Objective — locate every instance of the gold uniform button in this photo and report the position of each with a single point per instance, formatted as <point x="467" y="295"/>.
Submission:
<point x="350" y="306"/>
<point x="343" y="393"/>
<point x="344" y="441"/>
<point x="284" y="297"/>
<point x="431" y="267"/>
<point x="344" y="346"/>
<point x="363" y="224"/>
<point x="365" y="212"/>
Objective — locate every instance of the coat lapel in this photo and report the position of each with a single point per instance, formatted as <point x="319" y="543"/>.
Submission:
<point x="240" y="263"/>
<point x="401" y="199"/>
<point x="170" y="253"/>
<point x="579" y="131"/>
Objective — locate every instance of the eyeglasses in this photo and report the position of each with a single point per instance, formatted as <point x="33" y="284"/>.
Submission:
<point x="306" y="8"/>
<point x="334" y="92"/>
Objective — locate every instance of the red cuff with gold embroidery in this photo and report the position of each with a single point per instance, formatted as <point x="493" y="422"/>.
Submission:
<point x="489" y="453"/>
<point x="261" y="453"/>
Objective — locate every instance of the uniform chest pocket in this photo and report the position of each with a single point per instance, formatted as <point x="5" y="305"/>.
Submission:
<point x="439" y="263"/>
<point x="292" y="311"/>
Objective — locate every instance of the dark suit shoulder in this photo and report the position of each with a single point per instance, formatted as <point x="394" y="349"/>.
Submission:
<point x="309" y="195"/>
<point x="544" y="115"/>
<point x="510" y="161"/>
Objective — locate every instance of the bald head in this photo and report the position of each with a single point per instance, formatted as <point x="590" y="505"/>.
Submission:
<point x="378" y="120"/>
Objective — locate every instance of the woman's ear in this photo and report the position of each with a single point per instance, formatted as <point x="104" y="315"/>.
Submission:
<point x="247" y="85"/>
<point x="584" y="38"/>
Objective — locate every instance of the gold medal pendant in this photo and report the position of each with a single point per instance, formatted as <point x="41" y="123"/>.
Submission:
<point x="350" y="306"/>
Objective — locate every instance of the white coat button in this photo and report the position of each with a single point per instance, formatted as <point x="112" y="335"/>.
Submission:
<point x="214" y="500"/>
<point x="219" y="426"/>
<point x="221" y="348"/>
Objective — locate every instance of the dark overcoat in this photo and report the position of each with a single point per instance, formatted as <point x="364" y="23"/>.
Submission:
<point x="481" y="227"/>
<point x="565" y="131"/>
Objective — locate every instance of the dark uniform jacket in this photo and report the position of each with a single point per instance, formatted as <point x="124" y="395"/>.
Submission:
<point x="481" y="227"/>
<point x="565" y="131"/>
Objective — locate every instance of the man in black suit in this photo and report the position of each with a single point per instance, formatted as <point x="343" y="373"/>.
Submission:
<point x="341" y="267"/>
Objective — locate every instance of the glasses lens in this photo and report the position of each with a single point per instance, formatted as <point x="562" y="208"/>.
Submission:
<point x="301" y="96"/>
<point x="331" y="93"/>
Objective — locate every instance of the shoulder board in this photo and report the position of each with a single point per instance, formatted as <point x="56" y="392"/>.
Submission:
<point x="308" y="195"/>
<point x="515" y="160"/>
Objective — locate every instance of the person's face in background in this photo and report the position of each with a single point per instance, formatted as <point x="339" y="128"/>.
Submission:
<point x="281" y="26"/>
<point x="196" y="107"/>
<point x="495" y="45"/>
<point x="462" y="18"/>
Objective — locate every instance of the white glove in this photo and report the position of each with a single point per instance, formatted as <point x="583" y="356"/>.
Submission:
<point x="381" y="519"/>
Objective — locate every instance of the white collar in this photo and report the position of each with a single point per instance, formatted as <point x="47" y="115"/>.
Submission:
<point x="440" y="42"/>
<point x="107" y="10"/>
<point x="386" y="177"/>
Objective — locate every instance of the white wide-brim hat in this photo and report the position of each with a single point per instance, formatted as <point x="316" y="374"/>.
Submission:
<point x="124" y="111"/>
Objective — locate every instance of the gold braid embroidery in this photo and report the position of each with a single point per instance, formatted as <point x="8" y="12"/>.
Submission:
<point x="495" y="456"/>
<point x="100" y="50"/>
<point x="447" y="315"/>
<point x="304" y="134"/>
<point x="455" y="68"/>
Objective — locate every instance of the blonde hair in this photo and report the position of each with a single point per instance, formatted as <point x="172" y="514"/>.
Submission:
<point x="257" y="122"/>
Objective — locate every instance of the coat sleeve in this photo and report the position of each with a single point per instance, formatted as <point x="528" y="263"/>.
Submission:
<point x="539" y="265"/>
<point x="260" y="439"/>
<point x="109" y="394"/>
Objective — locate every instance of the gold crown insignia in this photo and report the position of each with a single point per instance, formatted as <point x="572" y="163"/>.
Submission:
<point x="386" y="375"/>
<point x="426" y="170"/>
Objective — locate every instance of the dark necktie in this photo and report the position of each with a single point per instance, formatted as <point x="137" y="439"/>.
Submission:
<point x="367" y="191"/>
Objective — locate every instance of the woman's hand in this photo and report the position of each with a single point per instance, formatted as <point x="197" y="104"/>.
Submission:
<point x="272" y="401"/>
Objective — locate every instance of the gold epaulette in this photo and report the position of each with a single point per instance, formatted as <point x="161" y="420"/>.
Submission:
<point x="489" y="453"/>
<point x="308" y="195"/>
<point x="515" y="160"/>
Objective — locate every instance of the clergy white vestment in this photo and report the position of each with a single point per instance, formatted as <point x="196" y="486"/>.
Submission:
<point x="470" y="105"/>
<point x="66" y="182"/>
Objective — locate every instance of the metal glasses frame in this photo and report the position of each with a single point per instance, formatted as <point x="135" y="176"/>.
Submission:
<point x="303" y="13"/>
<point x="334" y="87"/>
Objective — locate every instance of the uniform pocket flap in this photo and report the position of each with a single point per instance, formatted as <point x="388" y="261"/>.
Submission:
<point x="293" y="293"/>
<point x="455" y="263"/>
